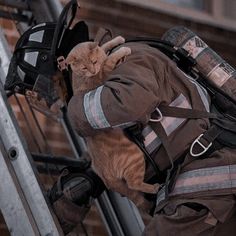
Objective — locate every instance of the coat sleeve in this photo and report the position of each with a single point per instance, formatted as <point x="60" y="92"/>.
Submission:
<point x="129" y="95"/>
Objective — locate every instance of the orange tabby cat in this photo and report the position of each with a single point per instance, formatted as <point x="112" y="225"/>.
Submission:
<point x="88" y="59"/>
<point x="118" y="161"/>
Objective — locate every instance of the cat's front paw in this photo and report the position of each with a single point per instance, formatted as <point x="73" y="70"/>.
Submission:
<point x="156" y="187"/>
<point x="125" y="50"/>
<point x="119" y="40"/>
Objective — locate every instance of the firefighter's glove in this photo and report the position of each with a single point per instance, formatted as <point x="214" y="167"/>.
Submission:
<point x="71" y="195"/>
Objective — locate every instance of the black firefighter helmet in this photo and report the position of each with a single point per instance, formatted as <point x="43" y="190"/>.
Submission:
<point x="34" y="61"/>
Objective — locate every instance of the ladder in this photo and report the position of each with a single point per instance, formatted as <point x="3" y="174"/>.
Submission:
<point x="22" y="200"/>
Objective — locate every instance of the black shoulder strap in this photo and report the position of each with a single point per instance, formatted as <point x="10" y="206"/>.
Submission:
<point x="134" y="133"/>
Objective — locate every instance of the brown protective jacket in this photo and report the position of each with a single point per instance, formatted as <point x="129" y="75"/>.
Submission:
<point x="132" y="92"/>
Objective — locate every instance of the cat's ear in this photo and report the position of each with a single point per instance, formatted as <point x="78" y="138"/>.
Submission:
<point x="70" y="59"/>
<point x="93" y="45"/>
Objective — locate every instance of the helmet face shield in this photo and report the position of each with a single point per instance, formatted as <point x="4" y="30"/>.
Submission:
<point x="44" y="86"/>
<point x="48" y="95"/>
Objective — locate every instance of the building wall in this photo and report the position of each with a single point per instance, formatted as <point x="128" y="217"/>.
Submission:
<point x="131" y="20"/>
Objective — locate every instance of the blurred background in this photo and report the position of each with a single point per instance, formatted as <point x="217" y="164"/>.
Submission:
<point x="212" y="20"/>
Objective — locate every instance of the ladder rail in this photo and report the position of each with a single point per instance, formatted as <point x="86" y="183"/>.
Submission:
<point x="13" y="204"/>
<point x="21" y="161"/>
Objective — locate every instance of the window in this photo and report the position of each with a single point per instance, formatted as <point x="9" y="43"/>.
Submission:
<point x="216" y="12"/>
<point x="229" y="10"/>
<point x="194" y="4"/>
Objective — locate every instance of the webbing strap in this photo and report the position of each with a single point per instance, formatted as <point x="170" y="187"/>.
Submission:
<point x="185" y="112"/>
<point x="205" y="179"/>
<point x="220" y="120"/>
<point x="161" y="132"/>
<point x="220" y="125"/>
<point x="135" y="134"/>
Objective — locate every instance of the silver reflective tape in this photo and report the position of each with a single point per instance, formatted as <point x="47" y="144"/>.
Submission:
<point x="93" y="109"/>
<point x="204" y="96"/>
<point x="170" y="124"/>
<point x="160" y="195"/>
<point x="87" y="110"/>
<point x="21" y="73"/>
<point x="151" y="140"/>
<point x="31" y="58"/>
<point x="202" y="92"/>
<point x="37" y="36"/>
<point x="205" y="179"/>
<point x="124" y="125"/>
<point x="39" y="25"/>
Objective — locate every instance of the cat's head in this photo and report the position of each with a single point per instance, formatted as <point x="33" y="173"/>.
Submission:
<point x="86" y="59"/>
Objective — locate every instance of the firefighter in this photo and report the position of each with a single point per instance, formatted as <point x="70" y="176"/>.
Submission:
<point x="202" y="201"/>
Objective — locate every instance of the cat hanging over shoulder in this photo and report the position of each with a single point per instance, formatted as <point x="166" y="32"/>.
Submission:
<point x="118" y="161"/>
<point x="90" y="63"/>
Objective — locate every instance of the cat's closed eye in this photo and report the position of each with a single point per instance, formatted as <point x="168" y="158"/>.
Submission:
<point x="75" y="63"/>
<point x="83" y="68"/>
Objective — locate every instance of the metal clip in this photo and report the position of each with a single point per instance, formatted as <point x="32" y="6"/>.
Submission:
<point x="159" y="118"/>
<point x="61" y="63"/>
<point x="197" y="141"/>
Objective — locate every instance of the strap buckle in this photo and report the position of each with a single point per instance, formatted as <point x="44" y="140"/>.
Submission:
<point x="61" y="63"/>
<point x="160" y="116"/>
<point x="204" y="148"/>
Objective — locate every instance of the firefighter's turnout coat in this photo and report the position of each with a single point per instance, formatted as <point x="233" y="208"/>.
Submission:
<point x="202" y="198"/>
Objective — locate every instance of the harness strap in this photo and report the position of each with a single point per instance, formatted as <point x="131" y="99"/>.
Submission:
<point x="202" y="147"/>
<point x="227" y="123"/>
<point x="180" y="112"/>
<point x="200" y="180"/>
<point x="164" y="139"/>
<point x="204" y="142"/>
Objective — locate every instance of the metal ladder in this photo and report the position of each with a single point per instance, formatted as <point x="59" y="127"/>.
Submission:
<point x="22" y="201"/>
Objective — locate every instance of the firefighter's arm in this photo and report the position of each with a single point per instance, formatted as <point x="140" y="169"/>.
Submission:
<point x="129" y="95"/>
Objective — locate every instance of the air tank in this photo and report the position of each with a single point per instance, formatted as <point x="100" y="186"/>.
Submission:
<point x="208" y="62"/>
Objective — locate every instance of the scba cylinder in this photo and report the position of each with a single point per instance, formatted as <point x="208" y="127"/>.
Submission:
<point x="208" y="62"/>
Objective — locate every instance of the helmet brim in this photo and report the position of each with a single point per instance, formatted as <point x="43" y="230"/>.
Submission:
<point x="66" y="18"/>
